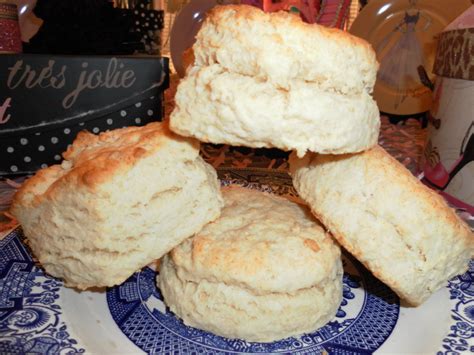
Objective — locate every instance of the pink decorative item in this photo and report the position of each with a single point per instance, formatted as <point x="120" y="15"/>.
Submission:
<point x="330" y="13"/>
<point x="10" y="36"/>
<point x="308" y="9"/>
<point x="334" y="13"/>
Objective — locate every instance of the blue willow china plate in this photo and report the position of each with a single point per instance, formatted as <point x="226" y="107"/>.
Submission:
<point x="40" y="316"/>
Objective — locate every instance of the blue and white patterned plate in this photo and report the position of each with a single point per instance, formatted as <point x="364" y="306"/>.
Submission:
<point x="40" y="316"/>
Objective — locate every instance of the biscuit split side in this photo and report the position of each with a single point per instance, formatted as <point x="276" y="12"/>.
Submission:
<point x="264" y="270"/>
<point x="116" y="203"/>
<point x="219" y="106"/>
<point x="270" y="80"/>
<point x="402" y="231"/>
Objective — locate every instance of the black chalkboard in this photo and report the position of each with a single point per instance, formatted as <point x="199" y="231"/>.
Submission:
<point x="40" y="92"/>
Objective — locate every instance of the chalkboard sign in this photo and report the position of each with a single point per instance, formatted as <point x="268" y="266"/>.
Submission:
<point x="46" y="99"/>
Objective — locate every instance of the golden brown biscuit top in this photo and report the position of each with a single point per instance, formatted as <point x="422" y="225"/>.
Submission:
<point x="262" y="242"/>
<point x="95" y="159"/>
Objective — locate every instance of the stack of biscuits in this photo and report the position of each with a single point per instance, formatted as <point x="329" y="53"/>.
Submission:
<point x="239" y="262"/>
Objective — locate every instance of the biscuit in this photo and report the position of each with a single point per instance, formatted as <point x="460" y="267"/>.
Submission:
<point x="117" y="202"/>
<point x="401" y="230"/>
<point x="264" y="270"/>
<point x="270" y="80"/>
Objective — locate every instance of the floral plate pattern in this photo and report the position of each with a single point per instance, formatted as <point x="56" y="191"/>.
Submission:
<point x="30" y="314"/>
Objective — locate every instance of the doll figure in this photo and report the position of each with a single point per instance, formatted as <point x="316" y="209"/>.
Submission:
<point x="400" y="53"/>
